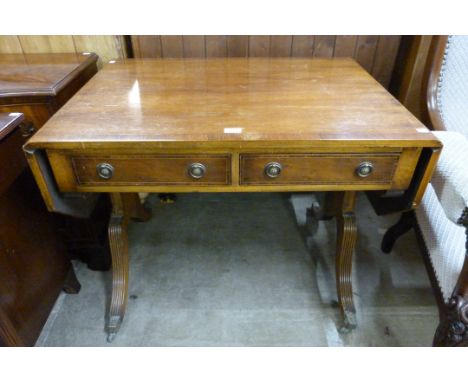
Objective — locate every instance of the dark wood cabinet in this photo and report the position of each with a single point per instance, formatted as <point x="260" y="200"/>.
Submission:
<point x="35" y="245"/>
<point x="38" y="85"/>
<point x="33" y="264"/>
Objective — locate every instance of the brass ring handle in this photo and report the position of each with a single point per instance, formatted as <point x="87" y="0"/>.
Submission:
<point x="197" y="170"/>
<point x="364" y="169"/>
<point x="105" y="170"/>
<point x="27" y="129"/>
<point x="273" y="169"/>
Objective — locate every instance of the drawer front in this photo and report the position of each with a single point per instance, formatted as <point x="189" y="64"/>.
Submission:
<point x="317" y="169"/>
<point x="153" y="170"/>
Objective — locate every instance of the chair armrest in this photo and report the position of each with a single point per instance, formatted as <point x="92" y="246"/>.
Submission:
<point x="450" y="180"/>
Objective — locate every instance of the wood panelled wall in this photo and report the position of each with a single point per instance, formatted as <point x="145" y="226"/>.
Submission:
<point x="376" y="54"/>
<point x="106" y="47"/>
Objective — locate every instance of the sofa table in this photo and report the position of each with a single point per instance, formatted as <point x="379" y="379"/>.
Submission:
<point x="232" y="125"/>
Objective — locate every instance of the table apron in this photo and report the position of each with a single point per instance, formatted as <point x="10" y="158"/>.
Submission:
<point x="232" y="171"/>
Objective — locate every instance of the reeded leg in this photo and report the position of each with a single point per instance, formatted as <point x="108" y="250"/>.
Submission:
<point x="124" y="207"/>
<point x="118" y="242"/>
<point x="346" y="240"/>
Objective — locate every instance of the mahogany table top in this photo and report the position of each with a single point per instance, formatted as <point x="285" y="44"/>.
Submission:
<point x="233" y="102"/>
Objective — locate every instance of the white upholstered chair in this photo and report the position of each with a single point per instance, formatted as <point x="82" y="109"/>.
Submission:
<point x="441" y="220"/>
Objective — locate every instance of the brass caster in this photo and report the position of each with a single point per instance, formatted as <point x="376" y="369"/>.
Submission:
<point x="110" y="337"/>
<point x="349" y="323"/>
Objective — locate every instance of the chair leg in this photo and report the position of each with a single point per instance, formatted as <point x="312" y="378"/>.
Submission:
<point x="453" y="328"/>
<point x="406" y="222"/>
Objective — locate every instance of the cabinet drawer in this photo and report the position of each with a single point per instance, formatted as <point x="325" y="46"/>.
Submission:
<point x="152" y="170"/>
<point x="285" y="169"/>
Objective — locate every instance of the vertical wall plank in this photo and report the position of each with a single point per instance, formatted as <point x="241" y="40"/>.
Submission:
<point x="135" y="42"/>
<point x="10" y="44"/>
<point x="147" y="46"/>
<point x="172" y="46"/>
<point x="375" y="53"/>
<point x="385" y="56"/>
<point x="238" y="46"/>
<point x="303" y="46"/>
<point x="365" y="51"/>
<point x="108" y="46"/>
<point x="259" y="46"/>
<point x="324" y="46"/>
<point x="216" y="46"/>
<point x="280" y="46"/>
<point x="47" y="44"/>
<point x="194" y="46"/>
<point x="345" y="46"/>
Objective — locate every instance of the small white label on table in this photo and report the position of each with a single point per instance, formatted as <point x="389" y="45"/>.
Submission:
<point x="422" y="130"/>
<point x="233" y="130"/>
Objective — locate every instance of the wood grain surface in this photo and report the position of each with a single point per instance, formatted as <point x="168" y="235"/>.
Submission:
<point x="232" y="102"/>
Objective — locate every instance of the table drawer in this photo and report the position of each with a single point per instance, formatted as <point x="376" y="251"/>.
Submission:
<point x="152" y="170"/>
<point x="275" y="169"/>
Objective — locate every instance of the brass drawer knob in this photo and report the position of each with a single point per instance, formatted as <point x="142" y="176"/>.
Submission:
<point x="364" y="169"/>
<point x="105" y="170"/>
<point x="273" y="169"/>
<point x="196" y="170"/>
